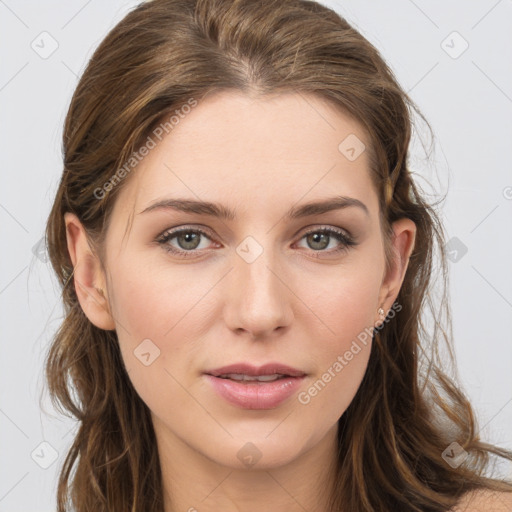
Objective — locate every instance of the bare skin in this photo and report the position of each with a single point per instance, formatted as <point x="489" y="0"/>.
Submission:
<point x="485" y="501"/>
<point x="299" y="302"/>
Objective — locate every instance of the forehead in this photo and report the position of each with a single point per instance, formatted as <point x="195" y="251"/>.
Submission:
<point x="246" y="152"/>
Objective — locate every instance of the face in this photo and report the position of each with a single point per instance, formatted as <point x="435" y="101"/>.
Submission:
<point x="190" y="293"/>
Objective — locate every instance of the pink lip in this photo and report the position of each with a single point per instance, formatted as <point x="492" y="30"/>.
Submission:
<point x="256" y="395"/>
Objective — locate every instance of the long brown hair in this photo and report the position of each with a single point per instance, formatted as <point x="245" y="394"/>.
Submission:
<point x="164" y="53"/>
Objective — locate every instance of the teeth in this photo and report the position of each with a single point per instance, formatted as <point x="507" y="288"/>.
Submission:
<point x="260" y="378"/>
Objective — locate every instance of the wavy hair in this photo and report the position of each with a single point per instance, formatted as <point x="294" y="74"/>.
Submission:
<point x="408" y="410"/>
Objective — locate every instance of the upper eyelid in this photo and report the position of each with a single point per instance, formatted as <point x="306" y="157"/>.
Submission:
<point x="180" y="229"/>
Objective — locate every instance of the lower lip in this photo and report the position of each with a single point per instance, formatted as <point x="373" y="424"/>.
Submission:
<point x="256" y="395"/>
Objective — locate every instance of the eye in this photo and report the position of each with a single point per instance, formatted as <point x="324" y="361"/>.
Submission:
<point x="319" y="239"/>
<point x="189" y="241"/>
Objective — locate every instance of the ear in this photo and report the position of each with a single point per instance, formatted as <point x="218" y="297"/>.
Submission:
<point x="404" y="236"/>
<point x="88" y="276"/>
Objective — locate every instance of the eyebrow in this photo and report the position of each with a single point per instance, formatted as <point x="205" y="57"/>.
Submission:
<point x="222" y="212"/>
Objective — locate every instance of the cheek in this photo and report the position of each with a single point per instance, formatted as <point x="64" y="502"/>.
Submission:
<point x="161" y="317"/>
<point x="154" y="301"/>
<point x="341" y="358"/>
<point x="345" y="304"/>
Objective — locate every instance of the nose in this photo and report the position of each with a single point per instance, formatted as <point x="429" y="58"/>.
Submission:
<point x="258" y="297"/>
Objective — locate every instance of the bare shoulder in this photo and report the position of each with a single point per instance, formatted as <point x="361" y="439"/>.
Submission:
<point x="485" y="501"/>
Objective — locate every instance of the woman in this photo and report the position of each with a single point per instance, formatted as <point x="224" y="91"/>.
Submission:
<point x="245" y="259"/>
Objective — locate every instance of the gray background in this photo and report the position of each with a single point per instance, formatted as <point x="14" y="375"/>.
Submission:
<point x="466" y="96"/>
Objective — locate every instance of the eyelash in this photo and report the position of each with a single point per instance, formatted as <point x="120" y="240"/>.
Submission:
<point x="345" y="240"/>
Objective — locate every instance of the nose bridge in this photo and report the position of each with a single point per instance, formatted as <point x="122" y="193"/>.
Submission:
<point x="259" y="297"/>
<point x="254" y="263"/>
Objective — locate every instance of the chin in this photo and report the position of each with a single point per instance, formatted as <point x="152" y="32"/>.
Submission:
<point x="259" y="451"/>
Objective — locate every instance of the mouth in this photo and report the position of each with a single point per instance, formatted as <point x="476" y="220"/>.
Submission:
<point x="250" y="387"/>
<point x="265" y="373"/>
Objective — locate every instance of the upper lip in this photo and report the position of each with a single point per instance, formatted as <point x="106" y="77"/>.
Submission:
<point x="255" y="371"/>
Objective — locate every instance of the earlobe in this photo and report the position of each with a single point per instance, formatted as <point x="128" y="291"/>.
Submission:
<point x="404" y="237"/>
<point x="88" y="276"/>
